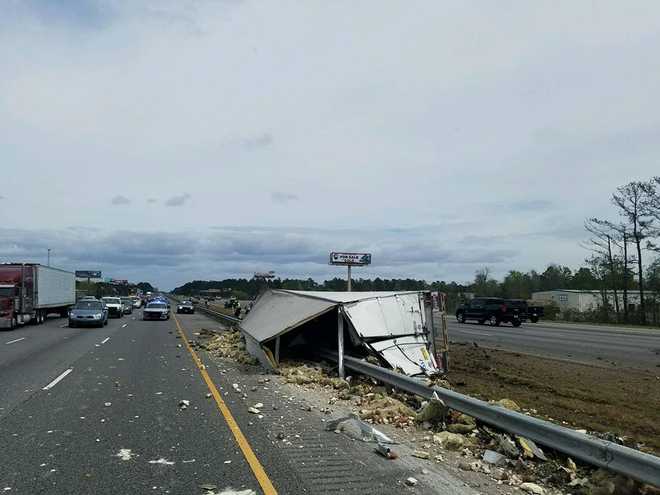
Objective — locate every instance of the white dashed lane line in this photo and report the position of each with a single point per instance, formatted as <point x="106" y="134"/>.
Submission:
<point x="58" y="379"/>
<point x="124" y="325"/>
<point x="105" y="340"/>
<point x="14" y="341"/>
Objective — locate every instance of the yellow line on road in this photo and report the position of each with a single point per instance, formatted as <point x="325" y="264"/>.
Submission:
<point x="248" y="453"/>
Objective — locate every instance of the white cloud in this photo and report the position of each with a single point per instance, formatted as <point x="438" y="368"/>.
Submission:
<point x="120" y="200"/>
<point x="179" y="200"/>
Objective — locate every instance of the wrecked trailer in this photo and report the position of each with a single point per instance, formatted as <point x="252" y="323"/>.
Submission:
<point x="395" y="327"/>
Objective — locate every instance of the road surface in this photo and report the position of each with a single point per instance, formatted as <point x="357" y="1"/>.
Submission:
<point x="98" y="411"/>
<point x="592" y="344"/>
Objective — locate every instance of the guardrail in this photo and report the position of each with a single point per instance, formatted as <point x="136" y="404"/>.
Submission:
<point x="217" y="315"/>
<point x="630" y="462"/>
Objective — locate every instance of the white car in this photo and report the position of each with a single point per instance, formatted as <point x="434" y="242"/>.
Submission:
<point x="115" y="306"/>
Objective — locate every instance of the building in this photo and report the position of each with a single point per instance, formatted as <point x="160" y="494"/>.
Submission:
<point x="587" y="300"/>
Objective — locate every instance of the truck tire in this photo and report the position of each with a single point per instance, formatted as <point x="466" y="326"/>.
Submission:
<point x="13" y="323"/>
<point x="481" y="322"/>
<point x="534" y="319"/>
<point x="460" y="317"/>
<point x="494" y="321"/>
<point x="516" y="323"/>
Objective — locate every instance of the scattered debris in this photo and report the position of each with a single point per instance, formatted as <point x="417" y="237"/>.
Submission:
<point x="228" y="344"/>
<point x="125" y="454"/>
<point x="183" y="404"/>
<point x="411" y="481"/>
<point x="208" y="396"/>
<point x="107" y="404"/>
<point x="450" y="441"/>
<point x="209" y="487"/>
<point x="530" y="450"/>
<point x="492" y="457"/>
<point x="162" y="461"/>
<point x="353" y="427"/>
<point x="421" y="454"/>
<point x="386" y="451"/>
<point x="508" y="404"/>
<point x="532" y="488"/>
<point x="435" y="411"/>
<point x="253" y="410"/>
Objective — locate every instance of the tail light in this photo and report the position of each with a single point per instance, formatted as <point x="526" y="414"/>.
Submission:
<point x="503" y="308"/>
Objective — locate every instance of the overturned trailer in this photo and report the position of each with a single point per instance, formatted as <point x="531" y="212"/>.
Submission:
<point x="395" y="327"/>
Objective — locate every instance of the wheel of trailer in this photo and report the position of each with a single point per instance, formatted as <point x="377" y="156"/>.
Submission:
<point x="494" y="322"/>
<point x="13" y="323"/>
<point x="516" y="323"/>
<point x="534" y="319"/>
<point x="461" y="317"/>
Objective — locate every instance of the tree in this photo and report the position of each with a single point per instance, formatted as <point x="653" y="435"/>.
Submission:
<point x="634" y="203"/>
<point x="483" y="284"/>
<point x="602" y="235"/>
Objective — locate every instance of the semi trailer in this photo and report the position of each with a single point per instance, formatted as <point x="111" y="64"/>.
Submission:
<point x="30" y="291"/>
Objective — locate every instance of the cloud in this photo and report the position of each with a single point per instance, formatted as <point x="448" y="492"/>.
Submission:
<point x="152" y="200"/>
<point x="261" y="141"/>
<point x="120" y="200"/>
<point x="1" y="198"/>
<point x="179" y="200"/>
<point x="283" y="198"/>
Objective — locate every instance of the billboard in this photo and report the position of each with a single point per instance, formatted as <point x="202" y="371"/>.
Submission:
<point x="354" y="259"/>
<point x="88" y="274"/>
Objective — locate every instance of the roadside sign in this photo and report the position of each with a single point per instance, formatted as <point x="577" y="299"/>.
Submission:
<point x="355" y="259"/>
<point x="88" y="274"/>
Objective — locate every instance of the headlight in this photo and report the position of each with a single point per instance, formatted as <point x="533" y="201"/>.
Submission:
<point x="180" y="307"/>
<point x="98" y="316"/>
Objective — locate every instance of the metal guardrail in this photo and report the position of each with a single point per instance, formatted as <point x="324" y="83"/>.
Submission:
<point x="630" y="462"/>
<point x="209" y="312"/>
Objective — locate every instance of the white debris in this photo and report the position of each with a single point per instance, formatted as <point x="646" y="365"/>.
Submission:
<point x="183" y="404"/>
<point x="162" y="461"/>
<point x="532" y="488"/>
<point x="411" y="481"/>
<point x="107" y="404"/>
<point x="227" y="462"/>
<point x="259" y="405"/>
<point x="125" y="454"/>
<point x="254" y="410"/>
<point x="189" y="461"/>
<point x="231" y="491"/>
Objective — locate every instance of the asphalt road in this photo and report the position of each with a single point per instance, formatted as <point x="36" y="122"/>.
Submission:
<point x="592" y="344"/>
<point x="97" y="410"/>
<point x="123" y="392"/>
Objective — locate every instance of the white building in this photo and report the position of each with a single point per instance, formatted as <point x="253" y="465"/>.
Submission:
<point x="586" y="300"/>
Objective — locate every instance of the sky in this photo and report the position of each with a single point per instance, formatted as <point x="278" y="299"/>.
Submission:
<point x="169" y="141"/>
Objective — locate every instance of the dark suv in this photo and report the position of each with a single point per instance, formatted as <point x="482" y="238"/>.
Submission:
<point x="493" y="310"/>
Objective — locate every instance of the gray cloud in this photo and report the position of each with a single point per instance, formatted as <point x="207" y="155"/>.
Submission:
<point x="152" y="200"/>
<point x="120" y="200"/>
<point x="179" y="200"/>
<point x="260" y="141"/>
<point x="283" y="198"/>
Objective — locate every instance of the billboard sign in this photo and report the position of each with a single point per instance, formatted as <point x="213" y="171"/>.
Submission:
<point x="87" y="274"/>
<point x="351" y="259"/>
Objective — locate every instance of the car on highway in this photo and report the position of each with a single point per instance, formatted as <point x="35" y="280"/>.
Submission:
<point x="493" y="310"/>
<point x="114" y="305"/>
<point x="185" y="307"/>
<point x="156" y="310"/>
<point x="88" y="313"/>
<point x="128" y="305"/>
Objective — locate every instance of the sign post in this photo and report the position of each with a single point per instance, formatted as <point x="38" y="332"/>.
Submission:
<point x="349" y="260"/>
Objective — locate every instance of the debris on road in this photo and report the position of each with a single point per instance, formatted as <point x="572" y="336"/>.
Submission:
<point x="183" y="404"/>
<point x="492" y="457"/>
<point x="421" y="454"/>
<point x="434" y="411"/>
<point x="253" y="410"/>
<point x="530" y="450"/>
<point x="353" y="427"/>
<point x="411" y="481"/>
<point x="386" y="451"/>
<point x="125" y="454"/>
<point x="450" y="441"/>
<point x="162" y="461"/>
<point x="107" y="404"/>
<point x="227" y="344"/>
<point x="532" y="488"/>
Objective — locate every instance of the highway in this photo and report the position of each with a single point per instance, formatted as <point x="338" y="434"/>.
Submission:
<point x="98" y="411"/>
<point x="591" y="344"/>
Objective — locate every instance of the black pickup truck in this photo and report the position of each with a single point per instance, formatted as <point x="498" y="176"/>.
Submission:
<point x="493" y="310"/>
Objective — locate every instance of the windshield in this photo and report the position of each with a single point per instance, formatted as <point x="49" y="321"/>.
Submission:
<point x="89" y="305"/>
<point x="7" y="291"/>
<point x="112" y="300"/>
<point x="156" y="306"/>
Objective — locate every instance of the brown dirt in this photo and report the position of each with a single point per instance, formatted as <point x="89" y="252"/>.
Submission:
<point x="620" y="401"/>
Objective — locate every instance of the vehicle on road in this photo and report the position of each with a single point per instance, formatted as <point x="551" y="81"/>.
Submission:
<point x="88" y="313"/>
<point x="535" y="313"/>
<point x="29" y="292"/>
<point x="156" y="311"/>
<point x="115" y="306"/>
<point x="128" y="305"/>
<point x="185" y="307"/>
<point x="493" y="310"/>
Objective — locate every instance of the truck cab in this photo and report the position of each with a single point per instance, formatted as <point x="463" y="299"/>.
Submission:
<point x="8" y="305"/>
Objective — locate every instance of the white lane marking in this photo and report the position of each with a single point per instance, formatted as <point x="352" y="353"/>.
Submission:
<point x="105" y="340"/>
<point x="14" y="341"/>
<point x="124" y="325"/>
<point x="58" y="379"/>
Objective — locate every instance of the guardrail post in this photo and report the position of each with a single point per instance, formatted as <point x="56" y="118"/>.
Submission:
<point x="340" y="342"/>
<point x="277" y="350"/>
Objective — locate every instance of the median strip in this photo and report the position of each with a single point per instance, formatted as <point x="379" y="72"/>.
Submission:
<point x="14" y="341"/>
<point x="58" y="379"/>
<point x="248" y="453"/>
